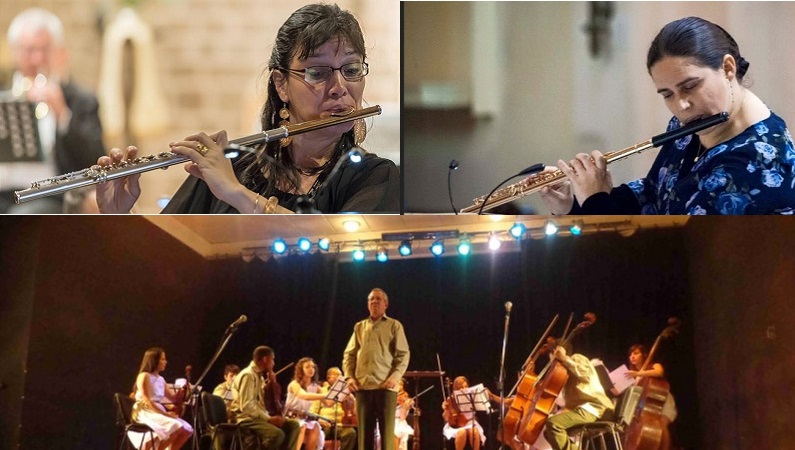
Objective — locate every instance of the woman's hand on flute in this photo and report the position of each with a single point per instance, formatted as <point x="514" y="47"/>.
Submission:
<point x="208" y="163"/>
<point x="557" y="197"/>
<point x="588" y="174"/>
<point x="118" y="196"/>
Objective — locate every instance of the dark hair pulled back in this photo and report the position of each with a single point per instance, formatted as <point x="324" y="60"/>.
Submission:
<point x="702" y="40"/>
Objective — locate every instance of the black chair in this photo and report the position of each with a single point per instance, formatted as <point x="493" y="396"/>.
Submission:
<point x="124" y="406"/>
<point x="592" y="435"/>
<point x="214" y="411"/>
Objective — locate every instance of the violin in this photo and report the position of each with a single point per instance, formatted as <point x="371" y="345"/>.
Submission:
<point x="546" y="390"/>
<point x="451" y="413"/>
<point x="646" y="429"/>
<point x="272" y="392"/>
<point x="349" y="411"/>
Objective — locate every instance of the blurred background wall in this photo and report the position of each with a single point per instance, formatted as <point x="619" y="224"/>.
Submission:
<point x="500" y="86"/>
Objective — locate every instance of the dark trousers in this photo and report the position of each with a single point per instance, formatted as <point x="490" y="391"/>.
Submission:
<point x="376" y="405"/>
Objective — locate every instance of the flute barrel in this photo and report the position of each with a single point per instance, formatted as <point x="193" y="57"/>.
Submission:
<point x="100" y="174"/>
<point x="535" y="183"/>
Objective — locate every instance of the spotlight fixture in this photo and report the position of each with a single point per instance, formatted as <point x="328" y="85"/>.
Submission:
<point x="324" y="243"/>
<point x="576" y="228"/>
<point x="304" y="244"/>
<point x="550" y="229"/>
<point x="358" y="254"/>
<point x="517" y="230"/>
<point x="381" y="254"/>
<point x="437" y="248"/>
<point x="464" y="246"/>
<point x="405" y="248"/>
<point x="494" y="241"/>
<point x="279" y="246"/>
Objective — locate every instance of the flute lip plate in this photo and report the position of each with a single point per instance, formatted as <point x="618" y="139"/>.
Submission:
<point x="343" y="113"/>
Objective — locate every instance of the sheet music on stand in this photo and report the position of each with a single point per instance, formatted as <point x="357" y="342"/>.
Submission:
<point x="338" y="391"/>
<point x="19" y="132"/>
<point x="472" y="399"/>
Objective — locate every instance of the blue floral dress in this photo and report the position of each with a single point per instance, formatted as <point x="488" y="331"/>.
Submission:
<point x="752" y="173"/>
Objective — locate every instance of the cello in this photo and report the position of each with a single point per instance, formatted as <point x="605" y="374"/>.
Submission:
<point x="646" y="429"/>
<point x="547" y="388"/>
<point x="523" y="388"/>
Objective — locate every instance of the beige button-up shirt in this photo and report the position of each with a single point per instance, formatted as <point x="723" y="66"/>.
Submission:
<point x="247" y="396"/>
<point x="377" y="352"/>
<point x="583" y="389"/>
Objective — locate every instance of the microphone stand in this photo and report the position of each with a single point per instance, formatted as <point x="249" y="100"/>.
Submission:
<point x="501" y="380"/>
<point x="230" y="330"/>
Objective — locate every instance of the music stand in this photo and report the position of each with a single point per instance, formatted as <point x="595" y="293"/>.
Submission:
<point x="472" y="399"/>
<point x="19" y="132"/>
<point x="337" y="393"/>
<point x="417" y="374"/>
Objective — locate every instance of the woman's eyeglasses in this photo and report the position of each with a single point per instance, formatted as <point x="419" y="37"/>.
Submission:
<point x="318" y="74"/>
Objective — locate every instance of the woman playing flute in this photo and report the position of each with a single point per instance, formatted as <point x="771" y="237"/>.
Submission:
<point x="745" y="165"/>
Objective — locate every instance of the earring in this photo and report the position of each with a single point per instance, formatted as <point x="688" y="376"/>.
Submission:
<point x="359" y="131"/>
<point x="284" y="114"/>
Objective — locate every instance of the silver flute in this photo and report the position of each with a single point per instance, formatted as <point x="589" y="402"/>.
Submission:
<point x="534" y="183"/>
<point x="100" y="174"/>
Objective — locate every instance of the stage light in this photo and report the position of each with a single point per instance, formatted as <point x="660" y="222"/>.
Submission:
<point x="324" y="243"/>
<point x="437" y="248"/>
<point x="358" y="254"/>
<point x="494" y="241"/>
<point x="517" y="230"/>
<point x="550" y="229"/>
<point x="279" y="246"/>
<point x="304" y="244"/>
<point x="381" y="254"/>
<point x="405" y="248"/>
<point x="576" y="228"/>
<point x="464" y="246"/>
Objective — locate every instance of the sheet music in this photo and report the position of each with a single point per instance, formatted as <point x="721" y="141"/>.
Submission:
<point x="471" y="399"/>
<point x="338" y="390"/>
<point x="19" y="133"/>
<point x="620" y="378"/>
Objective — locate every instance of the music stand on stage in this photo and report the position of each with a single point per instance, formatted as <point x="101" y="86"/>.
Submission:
<point x="417" y="374"/>
<point x="472" y="399"/>
<point x="337" y="393"/>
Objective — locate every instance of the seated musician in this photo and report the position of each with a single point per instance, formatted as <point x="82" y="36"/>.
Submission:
<point x="330" y="409"/>
<point x="301" y="393"/>
<point x="248" y="405"/>
<point x="151" y="393"/>
<point x="402" y="428"/>
<point x="585" y="399"/>
<point x="463" y="431"/>
<point x="637" y="357"/>
<point x="224" y="390"/>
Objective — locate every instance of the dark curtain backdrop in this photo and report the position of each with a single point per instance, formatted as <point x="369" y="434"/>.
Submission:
<point x="307" y="305"/>
<point x="104" y="289"/>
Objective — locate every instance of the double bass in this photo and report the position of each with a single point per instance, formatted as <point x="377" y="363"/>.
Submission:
<point x="646" y="429"/>
<point x="546" y="390"/>
<point x="523" y="388"/>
